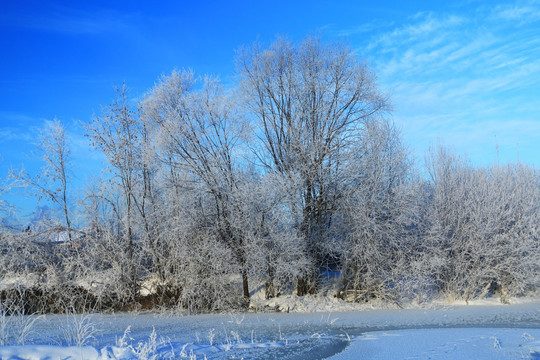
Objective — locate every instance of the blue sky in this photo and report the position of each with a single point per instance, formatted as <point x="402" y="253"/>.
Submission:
<point x="464" y="73"/>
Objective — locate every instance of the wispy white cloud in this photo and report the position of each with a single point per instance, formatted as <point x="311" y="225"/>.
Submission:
<point x="360" y="29"/>
<point x="469" y="77"/>
<point x="421" y="24"/>
<point x="18" y="127"/>
<point x="63" y="19"/>
<point x="522" y="13"/>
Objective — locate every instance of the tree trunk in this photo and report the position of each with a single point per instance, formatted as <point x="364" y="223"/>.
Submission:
<point x="301" y="288"/>
<point x="245" y="285"/>
<point x="270" y="291"/>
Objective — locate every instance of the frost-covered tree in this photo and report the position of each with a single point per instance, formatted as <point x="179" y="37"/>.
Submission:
<point x="7" y="185"/>
<point x="199" y="133"/>
<point x="274" y="249"/>
<point x="309" y="102"/>
<point x="53" y="180"/>
<point x="376" y="215"/>
<point x="116" y="133"/>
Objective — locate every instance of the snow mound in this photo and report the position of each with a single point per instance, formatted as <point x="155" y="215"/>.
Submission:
<point x="313" y="303"/>
<point x="173" y="350"/>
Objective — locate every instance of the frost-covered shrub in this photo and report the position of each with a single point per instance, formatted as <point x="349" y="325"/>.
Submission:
<point x="482" y="227"/>
<point x="16" y="321"/>
<point x="202" y="271"/>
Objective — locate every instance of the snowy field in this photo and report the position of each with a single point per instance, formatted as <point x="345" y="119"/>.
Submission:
<point x="443" y="332"/>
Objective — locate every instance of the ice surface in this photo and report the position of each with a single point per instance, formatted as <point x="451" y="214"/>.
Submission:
<point x="444" y="344"/>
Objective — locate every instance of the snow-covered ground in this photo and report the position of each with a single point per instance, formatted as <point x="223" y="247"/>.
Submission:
<point x="440" y="332"/>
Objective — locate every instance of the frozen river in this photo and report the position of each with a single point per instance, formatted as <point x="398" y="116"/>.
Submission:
<point x="453" y="332"/>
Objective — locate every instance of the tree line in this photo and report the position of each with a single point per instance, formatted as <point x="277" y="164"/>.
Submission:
<point x="293" y="179"/>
